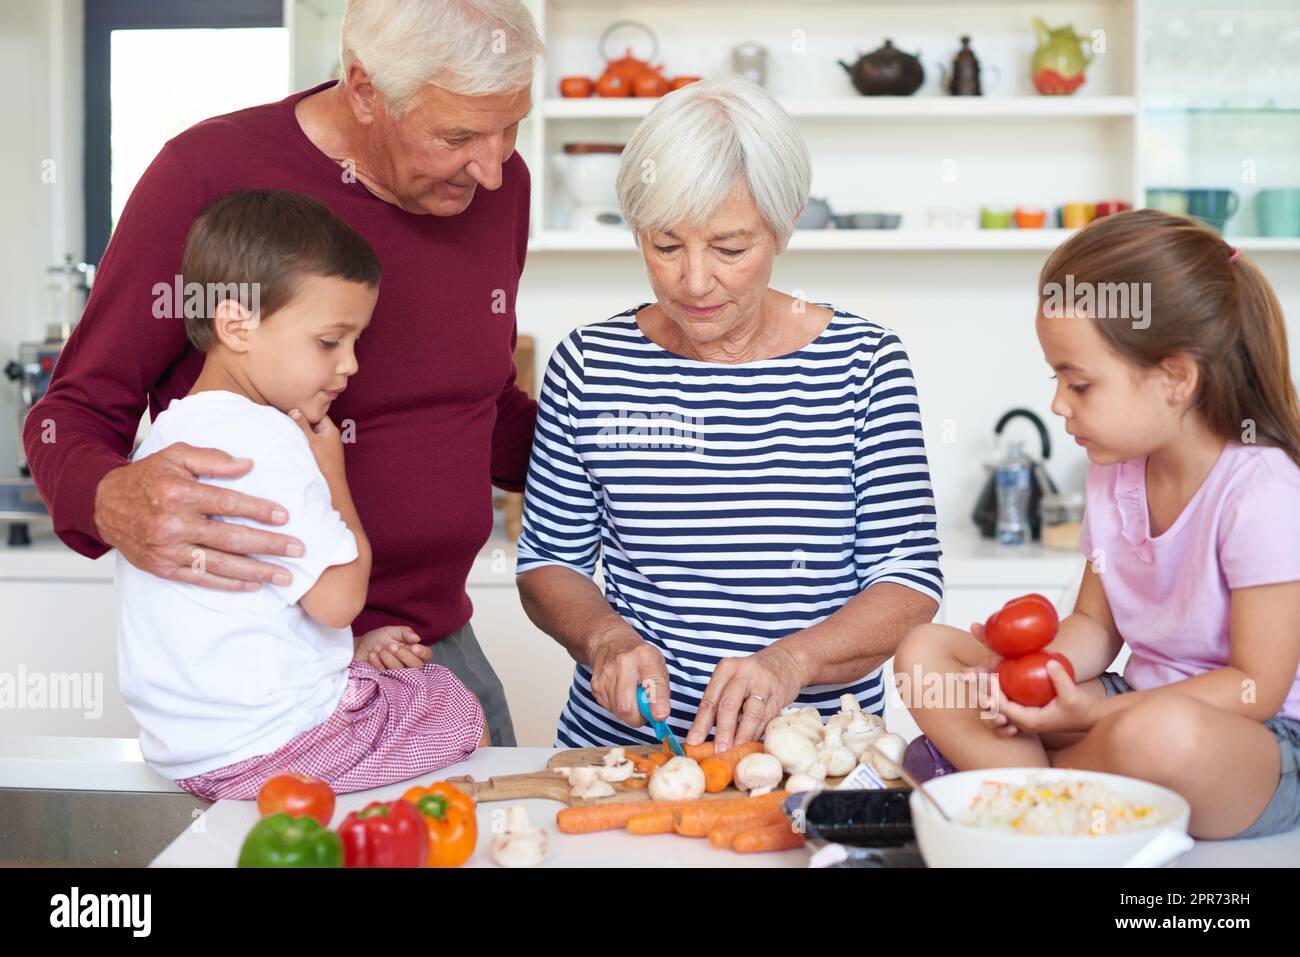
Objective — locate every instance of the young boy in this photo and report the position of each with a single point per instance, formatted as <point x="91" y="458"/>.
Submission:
<point x="230" y="688"/>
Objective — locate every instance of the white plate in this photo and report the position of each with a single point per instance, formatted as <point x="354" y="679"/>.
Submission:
<point x="945" y="844"/>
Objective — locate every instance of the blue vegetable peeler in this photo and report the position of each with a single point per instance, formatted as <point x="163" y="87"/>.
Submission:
<point x="661" y="727"/>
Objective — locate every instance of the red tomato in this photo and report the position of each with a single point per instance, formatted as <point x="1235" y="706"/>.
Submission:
<point x="1026" y="681"/>
<point x="1022" y="626"/>
<point x="297" y="795"/>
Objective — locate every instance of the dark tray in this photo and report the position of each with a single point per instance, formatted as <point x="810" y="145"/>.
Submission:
<point x="858" y="818"/>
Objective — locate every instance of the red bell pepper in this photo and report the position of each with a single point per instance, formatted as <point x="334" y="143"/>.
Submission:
<point x="391" y="834"/>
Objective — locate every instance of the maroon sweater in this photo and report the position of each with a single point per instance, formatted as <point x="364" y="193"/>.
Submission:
<point x="438" y="417"/>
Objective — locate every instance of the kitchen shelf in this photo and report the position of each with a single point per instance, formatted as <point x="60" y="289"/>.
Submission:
<point x="841" y="240"/>
<point x="914" y="107"/>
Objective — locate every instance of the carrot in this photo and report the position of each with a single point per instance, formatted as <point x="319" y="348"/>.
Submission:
<point x="699" y="820"/>
<point x="696" y="752"/>
<point x="639" y="761"/>
<point x="719" y="769"/>
<point x="656" y="760"/>
<point x="656" y="822"/>
<point x="590" y="818"/>
<point x="635" y="784"/>
<point x="725" y="833"/>
<point x="773" y="837"/>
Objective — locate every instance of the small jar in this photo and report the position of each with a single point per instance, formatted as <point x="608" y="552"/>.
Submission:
<point x="1062" y="520"/>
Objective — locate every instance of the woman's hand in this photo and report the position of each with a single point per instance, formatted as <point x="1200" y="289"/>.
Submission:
<point x="1073" y="709"/>
<point x="621" y="661"/>
<point x="744" y="694"/>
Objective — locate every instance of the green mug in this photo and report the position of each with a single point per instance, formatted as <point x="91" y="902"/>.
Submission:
<point x="1277" y="211"/>
<point x="995" y="218"/>
<point x="1168" y="200"/>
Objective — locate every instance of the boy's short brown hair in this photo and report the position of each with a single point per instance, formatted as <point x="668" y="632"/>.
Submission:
<point x="271" y="238"/>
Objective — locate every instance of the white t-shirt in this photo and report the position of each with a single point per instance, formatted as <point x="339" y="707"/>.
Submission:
<point x="214" y="677"/>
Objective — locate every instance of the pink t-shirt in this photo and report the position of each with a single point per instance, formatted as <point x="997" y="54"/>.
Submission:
<point x="1170" y="595"/>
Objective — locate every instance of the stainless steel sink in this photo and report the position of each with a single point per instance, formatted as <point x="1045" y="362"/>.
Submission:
<point x="91" y="828"/>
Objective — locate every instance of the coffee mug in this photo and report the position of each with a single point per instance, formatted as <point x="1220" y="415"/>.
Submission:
<point x="1028" y="217"/>
<point x="995" y="217"/>
<point x="1278" y="212"/>
<point x="1214" y="207"/>
<point x="1168" y="200"/>
<point x="1108" y="206"/>
<point x="1076" y="215"/>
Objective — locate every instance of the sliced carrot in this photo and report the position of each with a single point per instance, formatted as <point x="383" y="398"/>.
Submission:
<point x="704" y="817"/>
<point x="696" y="752"/>
<point x="774" y="837"/>
<point x="656" y="760"/>
<point x="725" y="833"/>
<point x="635" y="784"/>
<point x="656" y="822"/>
<point x="590" y="818"/>
<point x="642" y="763"/>
<point x="720" y="769"/>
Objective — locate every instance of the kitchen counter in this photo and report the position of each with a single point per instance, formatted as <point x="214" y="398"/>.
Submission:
<point x="967" y="559"/>
<point x="214" y="839"/>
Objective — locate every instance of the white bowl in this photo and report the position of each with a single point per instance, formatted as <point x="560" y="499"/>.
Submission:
<point x="950" y="844"/>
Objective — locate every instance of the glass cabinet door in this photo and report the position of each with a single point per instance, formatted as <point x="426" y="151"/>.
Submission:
<point x="1220" y="130"/>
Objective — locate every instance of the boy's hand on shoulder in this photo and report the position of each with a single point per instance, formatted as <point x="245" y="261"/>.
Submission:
<point x="392" y="646"/>
<point x="325" y="441"/>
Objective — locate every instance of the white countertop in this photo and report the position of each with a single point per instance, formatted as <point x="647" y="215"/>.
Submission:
<point x="214" y="839"/>
<point x="968" y="560"/>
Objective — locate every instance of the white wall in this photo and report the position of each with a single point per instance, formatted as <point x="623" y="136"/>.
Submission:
<point x="42" y="116"/>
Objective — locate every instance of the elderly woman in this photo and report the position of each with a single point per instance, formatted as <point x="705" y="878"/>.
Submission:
<point x="751" y="465"/>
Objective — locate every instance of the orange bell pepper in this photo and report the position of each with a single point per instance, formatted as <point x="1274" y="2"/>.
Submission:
<point x="451" y="819"/>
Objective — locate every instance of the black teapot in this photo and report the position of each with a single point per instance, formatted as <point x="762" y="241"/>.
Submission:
<point x="886" y="72"/>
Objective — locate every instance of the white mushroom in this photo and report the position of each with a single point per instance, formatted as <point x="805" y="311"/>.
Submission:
<point x="814" y="779"/>
<point x="806" y="720"/>
<point x="860" y="731"/>
<point x="789" y="745"/>
<point x="680" y="779"/>
<point x="758" y="773"/>
<point x="850" y="710"/>
<point x="833" y="753"/>
<point x="616" y="766"/>
<point x="586" y="782"/>
<point x="887" y="765"/>
<point x="522" y="845"/>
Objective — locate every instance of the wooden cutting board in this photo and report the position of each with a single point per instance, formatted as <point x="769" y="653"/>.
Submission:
<point x="550" y="786"/>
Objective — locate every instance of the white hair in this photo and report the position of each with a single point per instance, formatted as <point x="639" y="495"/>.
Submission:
<point x="469" y="47"/>
<point x="697" y="143"/>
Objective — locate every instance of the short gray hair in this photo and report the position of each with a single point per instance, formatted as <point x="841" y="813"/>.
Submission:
<point x="470" y="47"/>
<point x="698" y="143"/>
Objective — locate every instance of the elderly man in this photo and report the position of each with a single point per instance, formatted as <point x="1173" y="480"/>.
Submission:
<point x="427" y="112"/>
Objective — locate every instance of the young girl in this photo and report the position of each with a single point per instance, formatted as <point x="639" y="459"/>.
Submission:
<point x="1192" y="534"/>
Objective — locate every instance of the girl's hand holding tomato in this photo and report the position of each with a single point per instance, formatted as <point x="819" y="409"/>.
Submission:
<point x="1072" y="708"/>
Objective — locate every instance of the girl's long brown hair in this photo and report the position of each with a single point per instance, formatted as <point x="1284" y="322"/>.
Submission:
<point x="1202" y="303"/>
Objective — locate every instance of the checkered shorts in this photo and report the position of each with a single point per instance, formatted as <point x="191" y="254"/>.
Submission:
<point x="389" y="726"/>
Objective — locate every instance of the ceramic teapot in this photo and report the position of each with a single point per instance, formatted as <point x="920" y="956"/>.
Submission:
<point x="887" y="71"/>
<point x="1058" y="65"/>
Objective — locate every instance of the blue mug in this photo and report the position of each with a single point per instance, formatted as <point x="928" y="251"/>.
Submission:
<point x="1214" y="207"/>
<point x="1277" y="211"/>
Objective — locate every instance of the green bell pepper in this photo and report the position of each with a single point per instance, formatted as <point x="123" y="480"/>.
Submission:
<point x="283" y="841"/>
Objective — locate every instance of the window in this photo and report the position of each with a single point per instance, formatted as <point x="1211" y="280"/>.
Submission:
<point x="154" y="68"/>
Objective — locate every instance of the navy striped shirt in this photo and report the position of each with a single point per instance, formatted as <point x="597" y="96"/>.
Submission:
<point x="734" y="504"/>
